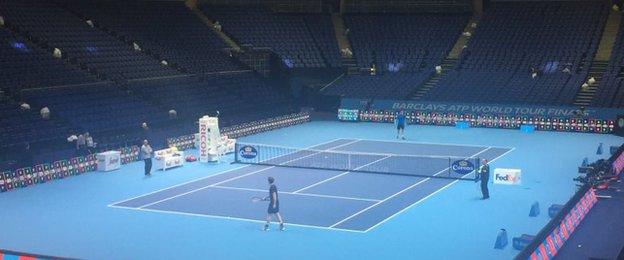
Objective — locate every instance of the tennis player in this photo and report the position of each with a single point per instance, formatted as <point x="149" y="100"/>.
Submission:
<point x="273" y="206"/>
<point x="400" y="124"/>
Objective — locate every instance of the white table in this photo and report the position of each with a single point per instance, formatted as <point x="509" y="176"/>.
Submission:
<point x="108" y="161"/>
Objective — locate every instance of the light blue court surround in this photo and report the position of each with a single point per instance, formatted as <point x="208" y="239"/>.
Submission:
<point x="71" y="217"/>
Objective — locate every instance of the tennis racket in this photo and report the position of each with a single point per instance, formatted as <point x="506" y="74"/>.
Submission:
<point x="258" y="199"/>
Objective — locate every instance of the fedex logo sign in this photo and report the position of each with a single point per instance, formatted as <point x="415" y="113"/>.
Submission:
<point x="507" y="176"/>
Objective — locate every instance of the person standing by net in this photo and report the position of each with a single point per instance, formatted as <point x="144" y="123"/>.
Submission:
<point x="484" y="175"/>
<point x="273" y="206"/>
<point x="400" y="124"/>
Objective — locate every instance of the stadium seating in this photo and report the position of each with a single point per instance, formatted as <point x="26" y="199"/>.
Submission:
<point x="97" y="107"/>
<point x="23" y="63"/>
<point x="511" y="39"/>
<point x="611" y="90"/>
<point x="302" y="41"/>
<point x="404" y="48"/>
<point x="386" y="86"/>
<point x="100" y="52"/>
<point x="104" y="86"/>
<point x="168" y="29"/>
<point x="239" y="97"/>
<point x="20" y="127"/>
<point x="414" y="43"/>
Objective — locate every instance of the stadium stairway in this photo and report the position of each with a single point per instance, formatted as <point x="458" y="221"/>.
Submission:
<point x="585" y="95"/>
<point x="192" y="4"/>
<point x="447" y="65"/>
<point x="449" y="62"/>
<point x="463" y="40"/>
<point x="349" y="63"/>
<point x="600" y="62"/>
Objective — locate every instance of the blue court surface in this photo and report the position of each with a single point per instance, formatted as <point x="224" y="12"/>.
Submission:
<point x="204" y="211"/>
<point x="349" y="201"/>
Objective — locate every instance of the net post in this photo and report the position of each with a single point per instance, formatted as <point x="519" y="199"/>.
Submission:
<point x="477" y="167"/>
<point x="236" y="152"/>
<point x="349" y="161"/>
<point x="448" y="169"/>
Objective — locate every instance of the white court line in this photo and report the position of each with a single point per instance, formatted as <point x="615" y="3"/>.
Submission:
<point x="423" y="199"/>
<point x="235" y="218"/>
<point x="238" y="177"/>
<point x="433" y="143"/>
<point x="396" y="194"/>
<point x="339" y="175"/>
<point x="210" y="176"/>
<point x="300" y="194"/>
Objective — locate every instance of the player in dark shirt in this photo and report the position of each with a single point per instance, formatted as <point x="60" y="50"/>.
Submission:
<point x="484" y="174"/>
<point x="273" y="206"/>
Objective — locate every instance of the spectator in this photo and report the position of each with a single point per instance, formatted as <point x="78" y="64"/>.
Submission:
<point x="89" y="142"/>
<point x="1" y="21"/>
<point x="27" y="158"/>
<point x="81" y="142"/>
<point x="217" y="26"/>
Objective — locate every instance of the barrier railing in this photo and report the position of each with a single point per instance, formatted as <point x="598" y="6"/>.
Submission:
<point x="552" y="237"/>
<point x="45" y="172"/>
<point x="488" y="121"/>
<point x="8" y="254"/>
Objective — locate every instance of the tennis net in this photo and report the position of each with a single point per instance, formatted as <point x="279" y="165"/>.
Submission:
<point x="448" y="167"/>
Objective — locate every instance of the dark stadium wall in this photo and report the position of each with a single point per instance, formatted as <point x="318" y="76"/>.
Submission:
<point x="546" y="1"/>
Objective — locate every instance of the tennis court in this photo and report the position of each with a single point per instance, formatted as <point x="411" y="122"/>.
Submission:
<point x="370" y="182"/>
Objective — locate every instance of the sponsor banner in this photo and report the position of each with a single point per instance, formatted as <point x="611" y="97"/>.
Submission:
<point x="248" y="152"/>
<point x="507" y="176"/>
<point x="618" y="164"/>
<point x="203" y="139"/>
<point x="477" y="108"/>
<point x="463" y="167"/>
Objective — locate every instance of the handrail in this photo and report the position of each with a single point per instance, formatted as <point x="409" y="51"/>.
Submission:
<point x="332" y="82"/>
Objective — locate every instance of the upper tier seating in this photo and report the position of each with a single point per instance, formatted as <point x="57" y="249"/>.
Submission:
<point x="511" y="39"/>
<point x="404" y="48"/>
<point x="169" y="29"/>
<point x="302" y="41"/>
<point x="22" y="63"/>
<point x="99" y="51"/>
<point x="415" y="42"/>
